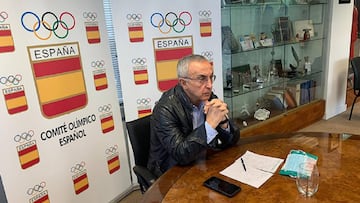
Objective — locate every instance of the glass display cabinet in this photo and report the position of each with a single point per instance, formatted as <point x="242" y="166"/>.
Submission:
<point x="273" y="56"/>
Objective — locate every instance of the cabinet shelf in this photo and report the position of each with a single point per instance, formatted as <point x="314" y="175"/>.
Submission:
<point x="278" y="44"/>
<point x="280" y="81"/>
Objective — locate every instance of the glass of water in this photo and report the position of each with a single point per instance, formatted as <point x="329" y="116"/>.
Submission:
<point x="307" y="179"/>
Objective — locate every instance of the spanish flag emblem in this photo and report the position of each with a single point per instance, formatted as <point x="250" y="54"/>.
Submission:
<point x="59" y="78"/>
<point x="28" y="154"/>
<point x="168" y="51"/>
<point x="107" y="122"/>
<point x="113" y="163"/>
<point x="205" y="27"/>
<point x="136" y="33"/>
<point x="43" y="197"/>
<point x="15" y="99"/>
<point x="100" y="79"/>
<point x="92" y="32"/>
<point x="6" y="39"/>
<point x="81" y="182"/>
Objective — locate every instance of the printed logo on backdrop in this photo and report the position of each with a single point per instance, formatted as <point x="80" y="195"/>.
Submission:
<point x="14" y="94"/>
<point x="27" y="149"/>
<point x="144" y="107"/>
<point x="167" y="52"/>
<point x="92" y="27"/>
<point x="6" y="39"/>
<point x="48" y="24"/>
<point x="209" y="55"/>
<point x="79" y="178"/>
<point x="99" y="73"/>
<point x="106" y="118"/>
<point x="205" y="23"/>
<point x="171" y="21"/>
<point x="140" y="71"/>
<point x="113" y="161"/>
<point x="135" y="27"/>
<point x="59" y="78"/>
<point x="38" y="193"/>
<point x="69" y="132"/>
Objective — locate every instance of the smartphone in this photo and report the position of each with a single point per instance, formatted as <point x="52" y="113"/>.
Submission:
<point x="222" y="186"/>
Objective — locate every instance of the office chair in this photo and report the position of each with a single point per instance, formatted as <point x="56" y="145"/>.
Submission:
<point x="355" y="64"/>
<point x="139" y="133"/>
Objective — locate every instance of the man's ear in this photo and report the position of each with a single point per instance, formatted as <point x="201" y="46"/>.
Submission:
<point x="182" y="82"/>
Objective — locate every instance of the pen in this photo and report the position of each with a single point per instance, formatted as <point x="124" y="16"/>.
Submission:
<point x="242" y="161"/>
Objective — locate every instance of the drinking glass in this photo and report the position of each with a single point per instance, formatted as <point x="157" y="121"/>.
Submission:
<point x="307" y="179"/>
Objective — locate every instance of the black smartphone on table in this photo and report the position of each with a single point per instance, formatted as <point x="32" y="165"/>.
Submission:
<point x="222" y="186"/>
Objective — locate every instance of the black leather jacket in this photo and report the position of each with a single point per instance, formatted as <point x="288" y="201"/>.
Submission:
<point x="173" y="140"/>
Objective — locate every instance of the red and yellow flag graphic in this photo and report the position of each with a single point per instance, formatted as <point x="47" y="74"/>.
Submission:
<point x="113" y="163"/>
<point x="92" y="32"/>
<point x="168" y="51"/>
<point x="15" y="99"/>
<point x="43" y="197"/>
<point x="28" y="154"/>
<point x="59" y="78"/>
<point x="141" y="75"/>
<point x="100" y="79"/>
<point x="107" y="122"/>
<point x="144" y="111"/>
<point x="81" y="182"/>
<point x="205" y="27"/>
<point x="136" y="33"/>
<point x="6" y="39"/>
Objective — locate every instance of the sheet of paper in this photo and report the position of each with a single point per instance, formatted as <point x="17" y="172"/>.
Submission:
<point x="261" y="162"/>
<point x="251" y="176"/>
<point x="259" y="169"/>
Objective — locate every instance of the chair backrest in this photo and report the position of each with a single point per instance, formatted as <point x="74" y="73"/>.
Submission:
<point x="139" y="133"/>
<point x="355" y="64"/>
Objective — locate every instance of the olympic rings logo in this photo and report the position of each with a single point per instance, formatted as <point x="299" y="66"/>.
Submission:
<point x="3" y="16"/>
<point x="105" y="108"/>
<point x="90" y="16"/>
<point x="36" y="188"/>
<point x="111" y="150"/>
<point x="49" y="23"/>
<point x="11" y="80"/>
<point x="205" y="13"/>
<point x="143" y="101"/>
<point x="138" y="61"/>
<point x="172" y="21"/>
<point x="78" y="168"/>
<point x="98" y="64"/>
<point x="207" y="54"/>
<point x="25" y="136"/>
<point x="133" y="17"/>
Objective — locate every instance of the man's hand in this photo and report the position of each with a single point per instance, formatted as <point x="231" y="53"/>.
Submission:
<point x="216" y="111"/>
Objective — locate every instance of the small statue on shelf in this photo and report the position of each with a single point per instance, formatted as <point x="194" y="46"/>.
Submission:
<point x="307" y="65"/>
<point x="257" y="78"/>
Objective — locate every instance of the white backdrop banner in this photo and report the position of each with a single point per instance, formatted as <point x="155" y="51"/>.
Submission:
<point x="61" y="136"/>
<point x="151" y="36"/>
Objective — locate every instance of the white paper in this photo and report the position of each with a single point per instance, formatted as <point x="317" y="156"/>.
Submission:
<point x="261" y="162"/>
<point x="259" y="169"/>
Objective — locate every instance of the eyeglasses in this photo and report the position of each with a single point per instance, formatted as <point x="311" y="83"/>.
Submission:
<point x="202" y="79"/>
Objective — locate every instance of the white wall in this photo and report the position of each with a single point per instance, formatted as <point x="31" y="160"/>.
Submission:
<point x="340" y="16"/>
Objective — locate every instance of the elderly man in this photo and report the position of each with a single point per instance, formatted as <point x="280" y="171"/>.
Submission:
<point x="189" y="118"/>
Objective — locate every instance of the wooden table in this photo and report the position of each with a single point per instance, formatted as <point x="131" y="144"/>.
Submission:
<point x="338" y="164"/>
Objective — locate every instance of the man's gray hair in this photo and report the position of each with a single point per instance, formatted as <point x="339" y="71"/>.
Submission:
<point x="183" y="64"/>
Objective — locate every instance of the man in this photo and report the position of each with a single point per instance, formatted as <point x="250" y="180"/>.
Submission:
<point x="189" y="119"/>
